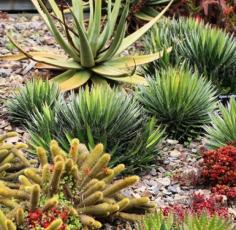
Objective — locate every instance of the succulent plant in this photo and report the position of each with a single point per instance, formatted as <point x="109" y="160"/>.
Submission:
<point x="209" y="50"/>
<point x="12" y="160"/>
<point x="101" y="115"/>
<point x="202" y="221"/>
<point x="157" y="221"/>
<point x="31" y="98"/>
<point x="180" y="100"/>
<point x="78" y="184"/>
<point x="221" y="130"/>
<point x="91" y="52"/>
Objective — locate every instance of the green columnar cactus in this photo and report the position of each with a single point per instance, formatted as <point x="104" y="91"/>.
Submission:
<point x="12" y="159"/>
<point x="75" y="189"/>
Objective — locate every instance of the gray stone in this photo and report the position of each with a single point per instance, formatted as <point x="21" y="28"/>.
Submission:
<point x="172" y="142"/>
<point x="163" y="181"/>
<point x="175" y="153"/>
<point x="153" y="172"/>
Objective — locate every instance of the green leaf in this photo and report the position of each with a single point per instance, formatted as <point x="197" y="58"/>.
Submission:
<point x="87" y="58"/>
<point x="131" y="61"/>
<point x="57" y="35"/>
<point x="134" y="79"/>
<point x="95" y="28"/>
<point x="129" y="40"/>
<point x="77" y="80"/>
<point x="109" y="71"/>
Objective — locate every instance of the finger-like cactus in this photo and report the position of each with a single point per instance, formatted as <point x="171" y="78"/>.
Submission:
<point x="71" y="192"/>
<point x="12" y="159"/>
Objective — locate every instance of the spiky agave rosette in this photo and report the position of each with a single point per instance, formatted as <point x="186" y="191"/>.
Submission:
<point x="91" y="52"/>
<point x="77" y="186"/>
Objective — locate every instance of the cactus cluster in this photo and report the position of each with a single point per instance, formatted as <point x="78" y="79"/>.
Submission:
<point x="12" y="160"/>
<point x="77" y="186"/>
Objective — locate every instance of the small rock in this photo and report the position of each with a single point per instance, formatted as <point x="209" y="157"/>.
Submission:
<point x="194" y="150"/>
<point x="166" y="162"/>
<point x="161" y="169"/>
<point x="153" y="172"/>
<point x="172" y="142"/>
<point x="175" y="153"/>
<point x="164" y="181"/>
<point x="173" y="189"/>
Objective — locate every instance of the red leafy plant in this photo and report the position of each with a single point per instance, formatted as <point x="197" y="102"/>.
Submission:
<point x="38" y="219"/>
<point x="212" y="205"/>
<point x="229" y="192"/>
<point x="219" y="166"/>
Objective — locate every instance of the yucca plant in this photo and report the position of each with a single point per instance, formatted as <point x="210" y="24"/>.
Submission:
<point x="31" y="98"/>
<point x="210" y="51"/>
<point x="180" y="100"/>
<point x="91" y="52"/>
<point x="101" y="115"/>
<point x="155" y="40"/>
<point x="213" y="52"/>
<point x="222" y="130"/>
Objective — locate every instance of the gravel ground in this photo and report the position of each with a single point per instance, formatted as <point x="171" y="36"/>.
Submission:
<point x="173" y="178"/>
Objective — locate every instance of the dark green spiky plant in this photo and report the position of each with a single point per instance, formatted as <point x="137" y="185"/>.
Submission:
<point x="179" y="100"/>
<point x="33" y="96"/>
<point x="91" y="52"/>
<point x="222" y="129"/>
<point x="76" y="189"/>
<point x="155" y="40"/>
<point x="101" y="115"/>
<point x="211" y="51"/>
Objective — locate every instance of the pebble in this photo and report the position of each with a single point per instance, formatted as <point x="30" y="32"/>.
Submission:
<point x="164" y="181"/>
<point x="172" y="142"/>
<point x="175" y="153"/>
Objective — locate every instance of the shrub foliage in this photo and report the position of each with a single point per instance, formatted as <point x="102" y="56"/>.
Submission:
<point x="180" y="100"/>
<point x="101" y="115"/>
<point x="31" y="98"/>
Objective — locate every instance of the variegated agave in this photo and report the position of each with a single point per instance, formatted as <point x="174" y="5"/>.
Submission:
<point x="93" y="49"/>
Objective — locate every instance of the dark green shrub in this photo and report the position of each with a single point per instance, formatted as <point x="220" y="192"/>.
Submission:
<point x="211" y="51"/>
<point x="101" y="115"/>
<point x="31" y="98"/>
<point x="179" y="100"/>
<point x="222" y="130"/>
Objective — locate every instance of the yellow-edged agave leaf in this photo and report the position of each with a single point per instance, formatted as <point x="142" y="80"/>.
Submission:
<point x="134" y="79"/>
<point x="78" y="79"/>
<point x="129" y="40"/>
<point x="132" y="61"/>
<point x="42" y="14"/>
<point x="118" y="38"/>
<point x="143" y="16"/>
<point x="94" y="33"/>
<point x="58" y="62"/>
<point x="55" y="9"/>
<point x="86" y="54"/>
<point x="13" y="57"/>
<point x="22" y="56"/>
<point x="62" y="63"/>
<point x="45" y="66"/>
<point x="57" y="35"/>
<point x="97" y="81"/>
<point x="109" y="71"/>
<point x="78" y="10"/>
<point x="64" y="76"/>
